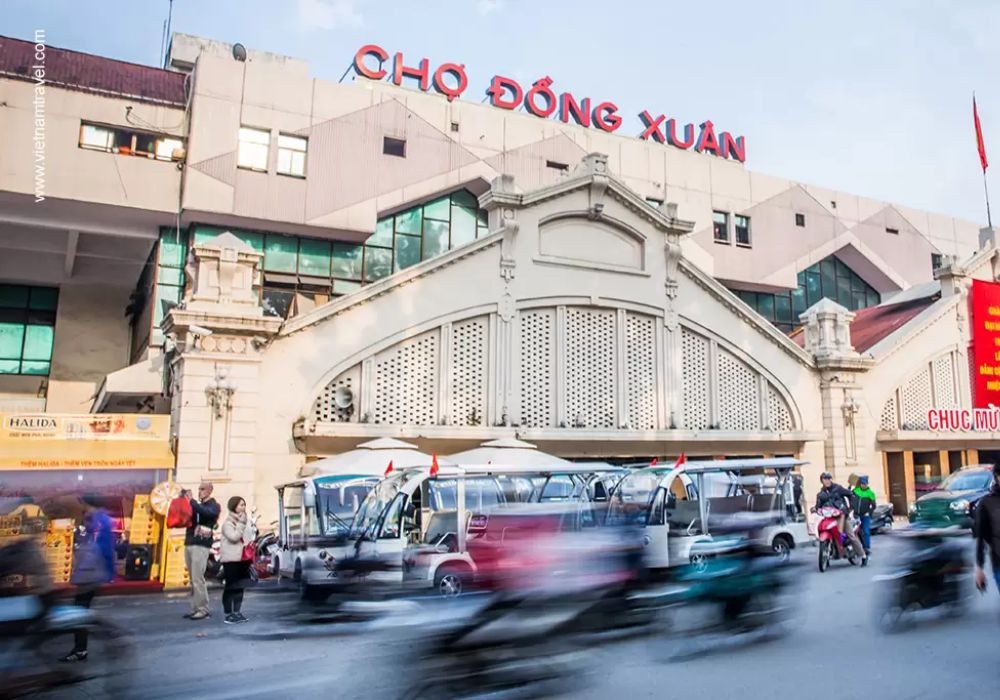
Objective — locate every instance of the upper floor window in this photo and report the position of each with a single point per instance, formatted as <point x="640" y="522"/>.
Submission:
<point x="27" y="328"/>
<point x="253" y="148"/>
<point x="292" y="155"/>
<point x="742" y="226"/>
<point x="720" y="226"/>
<point x="937" y="260"/>
<point x="129" y="142"/>
<point x="800" y="220"/>
<point x="394" y="147"/>
<point x="893" y="231"/>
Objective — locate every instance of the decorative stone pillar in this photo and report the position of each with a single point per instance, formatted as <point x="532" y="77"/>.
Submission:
<point x="849" y="444"/>
<point x="214" y="343"/>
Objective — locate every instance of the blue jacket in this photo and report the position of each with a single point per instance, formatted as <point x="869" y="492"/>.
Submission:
<point x="95" y="557"/>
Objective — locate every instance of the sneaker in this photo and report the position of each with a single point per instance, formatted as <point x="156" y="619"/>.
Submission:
<point x="75" y="656"/>
<point x="200" y="615"/>
<point x="230" y="619"/>
<point x="240" y="617"/>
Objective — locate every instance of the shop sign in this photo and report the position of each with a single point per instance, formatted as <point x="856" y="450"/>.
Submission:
<point x="85" y="441"/>
<point x="966" y="420"/>
<point x="985" y="301"/>
<point x="543" y="100"/>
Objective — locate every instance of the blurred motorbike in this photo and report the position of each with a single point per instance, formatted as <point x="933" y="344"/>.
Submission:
<point x="931" y="572"/>
<point x="882" y="519"/>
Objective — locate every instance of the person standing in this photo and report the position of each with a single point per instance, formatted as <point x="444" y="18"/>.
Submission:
<point x="988" y="532"/>
<point x="93" y="566"/>
<point x="865" y="505"/>
<point x="197" y="545"/>
<point x="237" y="533"/>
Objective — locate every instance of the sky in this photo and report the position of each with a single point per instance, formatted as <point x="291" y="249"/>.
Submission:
<point x="870" y="98"/>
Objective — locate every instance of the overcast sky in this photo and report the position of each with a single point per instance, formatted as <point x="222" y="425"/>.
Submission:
<point x="872" y="98"/>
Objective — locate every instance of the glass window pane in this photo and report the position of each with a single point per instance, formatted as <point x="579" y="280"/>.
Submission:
<point x="173" y="246"/>
<point x="314" y="257"/>
<point x="344" y="287"/>
<point x="254" y="240"/>
<point x="407" y="251"/>
<point x="435" y="238"/>
<point x="844" y="291"/>
<point x="464" y="198"/>
<point x="782" y="308"/>
<point x="97" y="137"/>
<point x="801" y="278"/>
<point x="798" y="303"/>
<point x="280" y="253"/>
<point x="277" y="302"/>
<point x="438" y="209"/>
<point x="249" y="135"/>
<point x="164" y="293"/>
<point x="482" y="231"/>
<point x="252" y="155"/>
<point x="35" y="368"/>
<point x="383" y="234"/>
<point x="44" y="298"/>
<point x="813" y="291"/>
<point x="284" y="163"/>
<point x="857" y="301"/>
<point x="170" y="275"/>
<point x="871" y="296"/>
<point x="11" y="340"/>
<point x="463" y="226"/>
<point x="347" y="261"/>
<point x="38" y="343"/>
<point x="13" y="296"/>
<point x="765" y="306"/>
<point x="10" y="366"/>
<point x="378" y="263"/>
<point x="828" y="280"/>
<point x="293" y="143"/>
<point x="409" y="222"/>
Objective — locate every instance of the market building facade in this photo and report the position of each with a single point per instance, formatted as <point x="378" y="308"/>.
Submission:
<point x="288" y="267"/>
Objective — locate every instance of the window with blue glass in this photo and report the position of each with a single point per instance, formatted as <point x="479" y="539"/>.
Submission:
<point x="27" y="328"/>
<point x="829" y="278"/>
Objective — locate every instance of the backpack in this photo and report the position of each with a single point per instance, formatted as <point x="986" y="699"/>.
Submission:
<point x="179" y="513"/>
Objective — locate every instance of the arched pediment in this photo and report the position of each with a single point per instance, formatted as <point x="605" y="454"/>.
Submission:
<point x="574" y="239"/>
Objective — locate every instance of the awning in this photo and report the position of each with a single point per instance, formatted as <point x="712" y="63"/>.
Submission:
<point x="143" y="379"/>
<point x="48" y="441"/>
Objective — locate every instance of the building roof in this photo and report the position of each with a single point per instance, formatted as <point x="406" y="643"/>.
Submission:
<point x="73" y="70"/>
<point x="872" y="325"/>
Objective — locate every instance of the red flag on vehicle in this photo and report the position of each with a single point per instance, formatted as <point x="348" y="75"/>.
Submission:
<point x="388" y="470"/>
<point x="681" y="461"/>
<point x="980" y="144"/>
<point x="653" y="463"/>
<point x="434" y="465"/>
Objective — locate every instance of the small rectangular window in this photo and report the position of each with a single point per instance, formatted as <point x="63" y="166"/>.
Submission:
<point x="99" y="138"/>
<point x="654" y="202"/>
<point x="253" y="149"/>
<point x="800" y="220"/>
<point x="165" y="148"/>
<point x="394" y="147"/>
<point x="893" y="231"/>
<point x="291" y="155"/>
<point x="556" y="165"/>
<point x="742" y="226"/>
<point x="454" y="126"/>
<point x="936" y="261"/>
<point x="720" y="226"/>
<point x="27" y="327"/>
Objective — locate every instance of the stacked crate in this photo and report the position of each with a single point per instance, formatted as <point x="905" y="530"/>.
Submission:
<point x="175" y="573"/>
<point x="59" y="550"/>
<point x="145" y="525"/>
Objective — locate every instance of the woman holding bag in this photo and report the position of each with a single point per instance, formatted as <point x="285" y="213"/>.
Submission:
<point x="93" y="566"/>
<point x="237" y="533"/>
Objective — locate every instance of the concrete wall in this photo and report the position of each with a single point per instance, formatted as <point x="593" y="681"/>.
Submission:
<point x="77" y="174"/>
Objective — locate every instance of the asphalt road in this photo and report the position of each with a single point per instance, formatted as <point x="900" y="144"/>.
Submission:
<point x="834" y="653"/>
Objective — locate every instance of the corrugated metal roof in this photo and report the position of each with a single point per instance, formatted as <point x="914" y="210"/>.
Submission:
<point x="872" y="325"/>
<point x="73" y="70"/>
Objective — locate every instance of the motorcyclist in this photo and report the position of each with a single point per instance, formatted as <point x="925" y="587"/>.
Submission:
<point x="836" y="496"/>
<point x="988" y="532"/>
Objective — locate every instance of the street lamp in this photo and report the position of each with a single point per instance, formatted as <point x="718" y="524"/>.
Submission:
<point x="220" y="392"/>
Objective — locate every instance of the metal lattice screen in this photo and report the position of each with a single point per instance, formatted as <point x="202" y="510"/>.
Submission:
<point x="694" y="351"/>
<point x="469" y="358"/>
<point x="890" y="416"/>
<point x="406" y="382"/>
<point x="538" y="368"/>
<point x="945" y="392"/>
<point x="590" y="367"/>
<point x="917" y="400"/>
<point x="640" y="371"/>
<point x="779" y="414"/>
<point x="739" y="404"/>
<point x="325" y="407"/>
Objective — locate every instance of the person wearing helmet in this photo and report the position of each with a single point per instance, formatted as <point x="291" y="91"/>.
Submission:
<point x="988" y="532"/>
<point x="864" y="503"/>
<point x="837" y="496"/>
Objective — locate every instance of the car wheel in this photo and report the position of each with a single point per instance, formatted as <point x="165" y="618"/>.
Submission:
<point x="451" y="581"/>
<point x="782" y="548"/>
<point x="699" y="562"/>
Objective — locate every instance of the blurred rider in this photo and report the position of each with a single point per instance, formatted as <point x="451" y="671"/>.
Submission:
<point x="836" y="496"/>
<point x="988" y="532"/>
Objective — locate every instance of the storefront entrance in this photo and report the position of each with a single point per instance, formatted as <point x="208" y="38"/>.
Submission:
<point x="910" y="474"/>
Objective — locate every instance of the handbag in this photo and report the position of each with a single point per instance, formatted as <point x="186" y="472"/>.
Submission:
<point x="179" y="513"/>
<point x="249" y="552"/>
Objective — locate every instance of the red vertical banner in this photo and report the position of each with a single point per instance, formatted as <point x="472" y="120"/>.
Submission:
<point x="986" y="343"/>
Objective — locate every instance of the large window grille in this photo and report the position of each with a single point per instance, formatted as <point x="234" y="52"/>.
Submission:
<point x="830" y="278"/>
<point x="27" y="328"/>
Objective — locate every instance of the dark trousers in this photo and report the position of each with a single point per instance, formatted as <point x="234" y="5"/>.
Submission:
<point x="866" y="532"/>
<point x="232" y="600"/>
<point x="82" y="599"/>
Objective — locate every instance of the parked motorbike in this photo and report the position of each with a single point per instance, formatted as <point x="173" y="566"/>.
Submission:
<point x="834" y="544"/>
<point x="882" y="519"/>
<point x="930" y="572"/>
